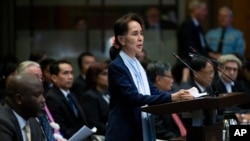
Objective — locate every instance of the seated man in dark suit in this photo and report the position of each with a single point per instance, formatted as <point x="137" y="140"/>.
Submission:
<point x="202" y="74"/>
<point x="201" y="77"/>
<point x="84" y="60"/>
<point x="23" y="102"/>
<point x="161" y="76"/>
<point x="61" y="102"/>
<point x="33" y="68"/>
<point x="226" y="81"/>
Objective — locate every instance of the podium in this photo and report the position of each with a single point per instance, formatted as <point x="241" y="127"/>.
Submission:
<point x="210" y="132"/>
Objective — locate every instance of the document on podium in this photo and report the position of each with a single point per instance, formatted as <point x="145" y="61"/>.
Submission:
<point x="82" y="133"/>
<point x="194" y="91"/>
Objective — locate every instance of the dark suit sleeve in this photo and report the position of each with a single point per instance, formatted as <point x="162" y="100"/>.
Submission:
<point x="5" y="132"/>
<point x="78" y="87"/>
<point x="9" y="127"/>
<point x="186" y="38"/>
<point x="36" y="130"/>
<point x="121" y="84"/>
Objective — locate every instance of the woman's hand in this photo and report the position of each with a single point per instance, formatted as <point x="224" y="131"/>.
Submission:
<point x="182" y="95"/>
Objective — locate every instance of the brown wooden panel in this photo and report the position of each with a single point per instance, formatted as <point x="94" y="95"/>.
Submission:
<point x="209" y="103"/>
<point x="41" y="18"/>
<point x="62" y="17"/>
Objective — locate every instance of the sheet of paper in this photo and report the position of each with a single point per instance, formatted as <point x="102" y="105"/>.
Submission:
<point x="194" y="91"/>
<point x="83" y="133"/>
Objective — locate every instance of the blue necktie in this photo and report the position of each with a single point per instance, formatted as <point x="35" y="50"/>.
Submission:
<point x="46" y="128"/>
<point x="72" y="104"/>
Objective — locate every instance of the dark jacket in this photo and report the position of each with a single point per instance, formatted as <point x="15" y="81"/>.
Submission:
<point x="188" y="35"/>
<point x="124" y="123"/>
<point x="63" y="113"/>
<point x="79" y="87"/>
<point x="96" y="110"/>
<point x="220" y="88"/>
<point x="10" y="129"/>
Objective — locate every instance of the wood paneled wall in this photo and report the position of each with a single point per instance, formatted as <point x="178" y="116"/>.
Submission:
<point x="60" y="17"/>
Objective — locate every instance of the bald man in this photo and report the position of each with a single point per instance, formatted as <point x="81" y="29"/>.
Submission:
<point x="24" y="102"/>
<point x="33" y="68"/>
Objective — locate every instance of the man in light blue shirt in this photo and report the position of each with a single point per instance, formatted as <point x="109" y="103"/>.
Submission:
<point x="231" y="41"/>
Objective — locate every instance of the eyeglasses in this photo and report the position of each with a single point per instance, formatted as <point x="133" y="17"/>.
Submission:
<point x="168" y="76"/>
<point x="231" y="69"/>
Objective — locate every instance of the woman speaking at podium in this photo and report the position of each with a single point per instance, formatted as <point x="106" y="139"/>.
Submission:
<point x="129" y="86"/>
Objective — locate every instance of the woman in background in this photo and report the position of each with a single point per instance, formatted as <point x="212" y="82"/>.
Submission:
<point x="95" y="101"/>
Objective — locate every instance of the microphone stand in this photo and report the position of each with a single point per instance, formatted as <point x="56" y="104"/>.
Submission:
<point x="176" y="56"/>
<point x="211" y="62"/>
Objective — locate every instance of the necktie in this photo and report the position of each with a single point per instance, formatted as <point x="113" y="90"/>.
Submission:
<point x="72" y="104"/>
<point x="50" y="118"/>
<point x="180" y="125"/>
<point x="202" y="40"/>
<point x="27" y="131"/>
<point x="46" y="128"/>
<point x="221" y="40"/>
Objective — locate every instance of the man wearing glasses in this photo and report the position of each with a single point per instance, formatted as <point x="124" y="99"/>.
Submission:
<point x="226" y="81"/>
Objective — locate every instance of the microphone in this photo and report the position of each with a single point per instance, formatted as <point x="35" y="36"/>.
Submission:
<point x="197" y="54"/>
<point x="209" y="85"/>
<point x="211" y="61"/>
<point x="194" y="50"/>
<point x="176" y="56"/>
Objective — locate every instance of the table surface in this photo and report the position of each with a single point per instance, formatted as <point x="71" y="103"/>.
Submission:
<point x="208" y="102"/>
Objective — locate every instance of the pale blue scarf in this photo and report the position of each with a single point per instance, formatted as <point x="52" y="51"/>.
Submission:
<point x="140" y="79"/>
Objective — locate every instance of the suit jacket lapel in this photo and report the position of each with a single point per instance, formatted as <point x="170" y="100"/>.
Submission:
<point x="81" y="112"/>
<point x="36" y="132"/>
<point x="222" y="87"/>
<point x="15" y="123"/>
<point x="126" y="69"/>
<point x="63" y="98"/>
<point x="103" y="102"/>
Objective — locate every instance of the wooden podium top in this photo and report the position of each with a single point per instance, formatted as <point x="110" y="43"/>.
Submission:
<point x="221" y="101"/>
